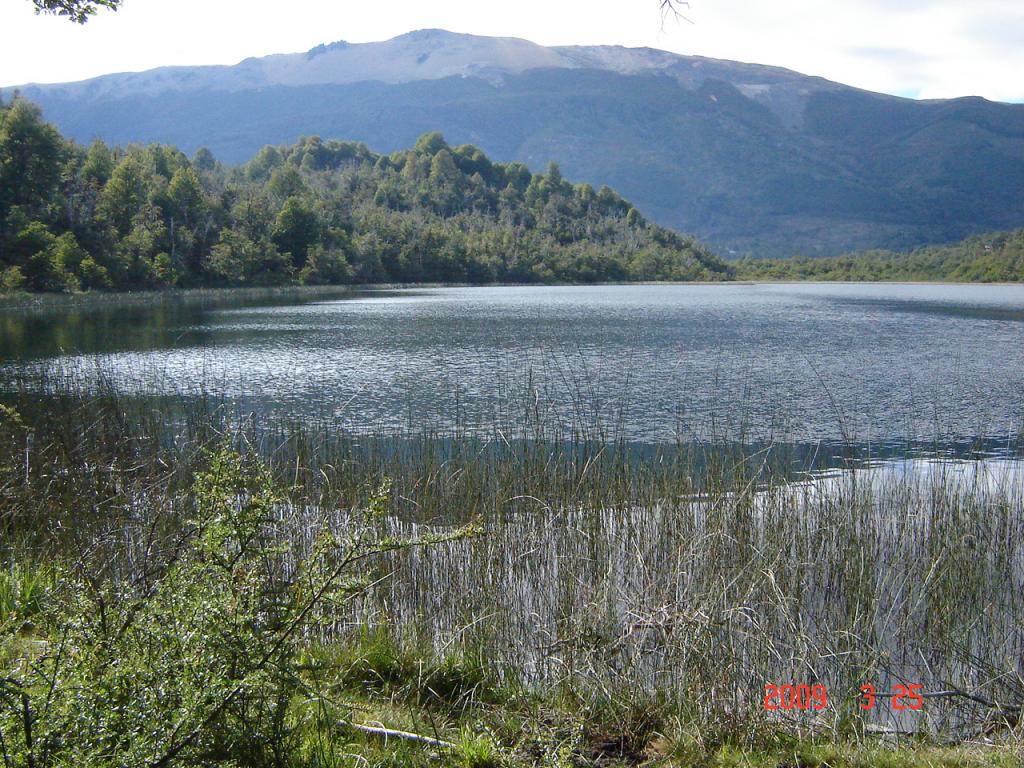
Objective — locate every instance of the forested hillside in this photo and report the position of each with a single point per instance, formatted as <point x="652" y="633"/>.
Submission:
<point x="750" y="159"/>
<point x="996" y="257"/>
<point x="143" y="217"/>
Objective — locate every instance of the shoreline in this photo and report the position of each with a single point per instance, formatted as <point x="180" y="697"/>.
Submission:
<point x="16" y="301"/>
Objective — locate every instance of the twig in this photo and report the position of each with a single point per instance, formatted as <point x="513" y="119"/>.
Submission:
<point x="671" y="8"/>
<point x="1002" y="716"/>
<point x="964" y="694"/>
<point x="1004" y="711"/>
<point x="388" y="733"/>
<point x="27" y="716"/>
<point x="884" y="730"/>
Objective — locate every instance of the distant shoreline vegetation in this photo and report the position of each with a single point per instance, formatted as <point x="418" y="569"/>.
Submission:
<point x="991" y="258"/>
<point x="142" y="218"/>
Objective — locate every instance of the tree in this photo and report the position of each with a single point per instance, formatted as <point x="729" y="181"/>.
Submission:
<point x="77" y="11"/>
<point x="99" y="163"/>
<point x="286" y="182"/>
<point x="261" y="166"/>
<point x="446" y="187"/>
<point x="554" y="175"/>
<point x="185" y="197"/>
<point x="325" y="267"/>
<point x="204" y="160"/>
<point x="184" y="205"/>
<point x="124" y="194"/>
<point x="431" y="143"/>
<point x="237" y="260"/>
<point x="296" y="229"/>
<point x="31" y="153"/>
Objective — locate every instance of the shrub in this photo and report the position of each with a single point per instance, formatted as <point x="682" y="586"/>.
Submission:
<point x="196" y="661"/>
<point x="14" y="279"/>
<point x="93" y="275"/>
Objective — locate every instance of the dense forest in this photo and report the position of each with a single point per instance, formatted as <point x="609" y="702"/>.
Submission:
<point x="319" y="212"/>
<point x="997" y="257"/>
<point x="333" y="212"/>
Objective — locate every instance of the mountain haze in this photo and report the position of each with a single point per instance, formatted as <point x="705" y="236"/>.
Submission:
<point x="751" y="158"/>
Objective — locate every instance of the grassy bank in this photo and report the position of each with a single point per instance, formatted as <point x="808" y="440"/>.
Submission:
<point x="183" y="587"/>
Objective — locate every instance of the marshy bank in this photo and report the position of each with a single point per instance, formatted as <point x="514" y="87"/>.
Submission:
<point x="237" y="585"/>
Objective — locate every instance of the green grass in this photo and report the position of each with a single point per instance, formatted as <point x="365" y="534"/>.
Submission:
<point x="523" y="727"/>
<point x="23" y="590"/>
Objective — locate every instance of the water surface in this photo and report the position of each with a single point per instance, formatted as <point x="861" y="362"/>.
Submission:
<point x="866" y="363"/>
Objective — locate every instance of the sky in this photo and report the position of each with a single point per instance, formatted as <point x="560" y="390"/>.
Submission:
<point x="914" y="48"/>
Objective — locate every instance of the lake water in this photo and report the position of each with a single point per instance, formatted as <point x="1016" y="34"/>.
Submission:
<point x="878" y="364"/>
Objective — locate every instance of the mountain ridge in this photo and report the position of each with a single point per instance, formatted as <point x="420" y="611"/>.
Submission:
<point x="750" y="157"/>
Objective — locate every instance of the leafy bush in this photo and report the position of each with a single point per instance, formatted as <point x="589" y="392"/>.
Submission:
<point x="193" y="663"/>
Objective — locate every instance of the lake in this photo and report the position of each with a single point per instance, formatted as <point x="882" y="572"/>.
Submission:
<point x="872" y="364"/>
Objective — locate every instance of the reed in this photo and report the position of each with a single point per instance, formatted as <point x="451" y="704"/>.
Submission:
<point x="648" y="592"/>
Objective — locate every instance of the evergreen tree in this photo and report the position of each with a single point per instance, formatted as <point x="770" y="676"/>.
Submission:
<point x="297" y="229"/>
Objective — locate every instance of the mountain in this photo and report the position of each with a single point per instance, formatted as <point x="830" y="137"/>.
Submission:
<point x="750" y="158"/>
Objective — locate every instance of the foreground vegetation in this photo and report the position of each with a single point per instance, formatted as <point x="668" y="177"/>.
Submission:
<point x="996" y="257"/>
<point x="180" y="588"/>
<point x="319" y="212"/>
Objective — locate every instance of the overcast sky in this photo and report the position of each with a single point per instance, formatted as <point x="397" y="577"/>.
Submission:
<point x="917" y="48"/>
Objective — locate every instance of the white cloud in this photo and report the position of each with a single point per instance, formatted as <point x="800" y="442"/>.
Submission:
<point x="937" y="48"/>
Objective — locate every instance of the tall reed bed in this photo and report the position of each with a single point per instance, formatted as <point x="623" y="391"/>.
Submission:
<point x="689" y="576"/>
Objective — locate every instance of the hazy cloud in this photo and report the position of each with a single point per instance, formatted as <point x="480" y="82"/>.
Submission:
<point x="933" y="48"/>
<point x="905" y="6"/>
<point x="897" y="57"/>
<point x="937" y="48"/>
<point x="1004" y="32"/>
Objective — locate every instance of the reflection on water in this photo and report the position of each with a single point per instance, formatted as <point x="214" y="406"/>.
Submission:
<point x="806" y="362"/>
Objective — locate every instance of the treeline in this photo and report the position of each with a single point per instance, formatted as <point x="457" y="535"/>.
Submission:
<point x="997" y="257"/>
<point x="319" y="212"/>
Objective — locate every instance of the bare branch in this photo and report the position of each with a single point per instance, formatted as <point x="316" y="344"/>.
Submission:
<point x="672" y="8"/>
<point x="389" y="733"/>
